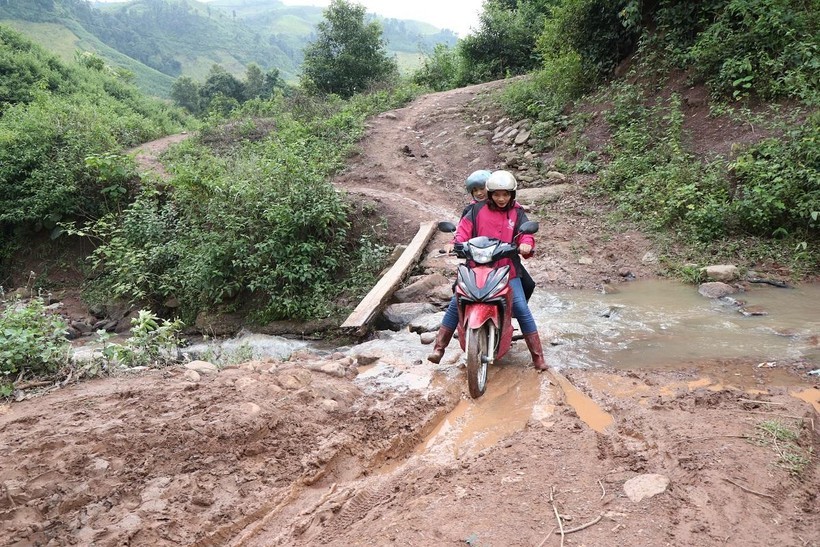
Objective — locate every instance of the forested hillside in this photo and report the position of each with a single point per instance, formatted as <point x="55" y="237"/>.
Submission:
<point x="174" y="38"/>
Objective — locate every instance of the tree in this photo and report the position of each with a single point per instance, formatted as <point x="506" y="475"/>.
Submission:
<point x="348" y="55"/>
<point x="254" y="82"/>
<point x="222" y="82"/>
<point x="185" y="93"/>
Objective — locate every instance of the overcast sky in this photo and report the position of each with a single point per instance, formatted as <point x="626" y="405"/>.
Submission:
<point x="457" y="15"/>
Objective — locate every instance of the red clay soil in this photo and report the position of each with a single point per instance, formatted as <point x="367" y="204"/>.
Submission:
<point x="303" y="453"/>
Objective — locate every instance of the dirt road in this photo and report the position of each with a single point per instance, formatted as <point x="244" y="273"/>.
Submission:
<point x="316" y="451"/>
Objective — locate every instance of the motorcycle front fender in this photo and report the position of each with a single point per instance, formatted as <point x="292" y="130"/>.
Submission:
<point x="477" y="314"/>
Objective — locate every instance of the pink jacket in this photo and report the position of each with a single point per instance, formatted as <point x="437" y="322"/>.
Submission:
<point x="492" y="222"/>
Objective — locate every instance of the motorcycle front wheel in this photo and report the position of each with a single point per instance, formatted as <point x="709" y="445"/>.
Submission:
<point x="478" y="343"/>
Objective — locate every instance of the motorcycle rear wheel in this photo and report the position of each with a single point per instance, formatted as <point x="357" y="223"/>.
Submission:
<point x="478" y="341"/>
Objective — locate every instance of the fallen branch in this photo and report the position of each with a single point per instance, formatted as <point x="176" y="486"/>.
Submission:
<point x="603" y="492"/>
<point x="761" y="402"/>
<point x="29" y="385"/>
<point x="749" y="490"/>
<point x="557" y="516"/>
<point x="772" y="414"/>
<point x="587" y="525"/>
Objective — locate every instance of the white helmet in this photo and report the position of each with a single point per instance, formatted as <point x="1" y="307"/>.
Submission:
<point x="502" y="180"/>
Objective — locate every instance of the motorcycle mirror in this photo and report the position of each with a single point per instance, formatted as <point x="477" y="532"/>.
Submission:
<point x="529" y="227"/>
<point x="446" y="226"/>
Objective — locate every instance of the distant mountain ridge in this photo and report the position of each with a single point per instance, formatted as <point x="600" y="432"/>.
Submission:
<point x="159" y="40"/>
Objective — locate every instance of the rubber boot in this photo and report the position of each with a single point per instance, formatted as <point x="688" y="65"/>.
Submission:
<point x="534" y="345"/>
<point x="442" y="340"/>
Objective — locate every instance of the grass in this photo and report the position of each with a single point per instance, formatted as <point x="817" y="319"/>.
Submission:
<point x="783" y="440"/>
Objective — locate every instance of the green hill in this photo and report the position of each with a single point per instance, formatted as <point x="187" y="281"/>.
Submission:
<point x="160" y="40"/>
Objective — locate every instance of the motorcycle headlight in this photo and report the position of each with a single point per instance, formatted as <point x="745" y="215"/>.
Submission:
<point x="482" y="255"/>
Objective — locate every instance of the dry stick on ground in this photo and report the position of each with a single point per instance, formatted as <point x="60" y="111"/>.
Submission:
<point x="557" y="516"/>
<point x="547" y="537"/>
<point x="603" y="492"/>
<point x="761" y="402"/>
<point x="749" y="490"/>
<point x="587" y="525"/>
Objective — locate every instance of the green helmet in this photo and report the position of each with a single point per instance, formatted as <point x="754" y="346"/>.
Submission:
<point x="477" y="179"/>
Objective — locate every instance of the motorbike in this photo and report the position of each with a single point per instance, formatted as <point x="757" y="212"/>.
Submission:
<point x="484" y="300"/>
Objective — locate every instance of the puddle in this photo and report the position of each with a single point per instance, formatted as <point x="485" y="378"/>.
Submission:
<point x="811" y="396"/>
<point x="513" y="397"/>
<point x="661" y="323"/>
<point x="587" y="409"/>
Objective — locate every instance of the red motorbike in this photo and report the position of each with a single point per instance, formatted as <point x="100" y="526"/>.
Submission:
<point x="484" y="302"/>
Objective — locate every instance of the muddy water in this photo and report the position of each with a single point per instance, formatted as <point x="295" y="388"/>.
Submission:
<point x="658" y="324"/>
<point x="661" y="323"/>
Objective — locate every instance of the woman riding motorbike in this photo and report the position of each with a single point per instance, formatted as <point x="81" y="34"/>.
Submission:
<point x="497" y="217"/>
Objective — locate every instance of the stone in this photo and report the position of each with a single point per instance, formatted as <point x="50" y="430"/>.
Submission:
<point x="420" y="290"/>
<point x="522" y="137"/>
<point x="192" y="376"/>
<point x="202" y="367"/>
<point x="720" y="272"/>
<point x="645" y="486"/>
<point x="399" y="315"/>
<point x="715" y="289"/>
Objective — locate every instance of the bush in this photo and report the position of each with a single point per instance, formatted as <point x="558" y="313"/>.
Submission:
<point x="32" y="341"/>
<point x="778" y="184"/>
<point x="766" y="48"/>
<point x="262" y="223"/>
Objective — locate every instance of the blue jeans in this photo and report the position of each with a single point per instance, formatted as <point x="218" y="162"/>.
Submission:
<point x="521" y="310"/>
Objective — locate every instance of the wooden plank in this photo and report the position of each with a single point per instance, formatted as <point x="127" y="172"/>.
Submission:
<point x="373" y="302"/>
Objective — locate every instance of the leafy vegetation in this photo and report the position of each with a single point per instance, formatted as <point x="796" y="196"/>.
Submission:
<point x="283" y="239"/>
<point x="32" y="342"/>
<point x="59" y="126"/>
<point x="348" y="55"/>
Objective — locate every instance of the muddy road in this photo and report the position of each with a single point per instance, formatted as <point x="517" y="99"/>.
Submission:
<point x="371" y="445"/>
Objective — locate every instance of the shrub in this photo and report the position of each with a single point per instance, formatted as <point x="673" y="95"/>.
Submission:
<point x="777" y="183"/>
<point x="766" y="48"/>
<point x="32" y="341"/>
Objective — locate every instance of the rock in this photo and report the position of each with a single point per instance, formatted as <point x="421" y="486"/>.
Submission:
<point x="250" y="409"/>
<point x="125" y="324"/>
<point x="421" y="289"/>
<point x="522" y="137"/>
<point x="720" y="272"/>
<point x="715" y="289"/>
<point x="427" y="338"/>
<point x="202" y="367"/>
<point x="649" y="258"/>
<point x="645" y="486"/>
<point x="555" y="176"/>
<point x="82" y="327"/>
<point x="244" y="382"/>
<point x="426" y="323"/>
<point x="192" y="376"/>
<point x="388" y="116"/>
<point x="294" y="379"/>
<point x="549" y="194"/>
<point x="749" y="311"/>
<point x="585" y="260"/>
<point x="398" y="315"/>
